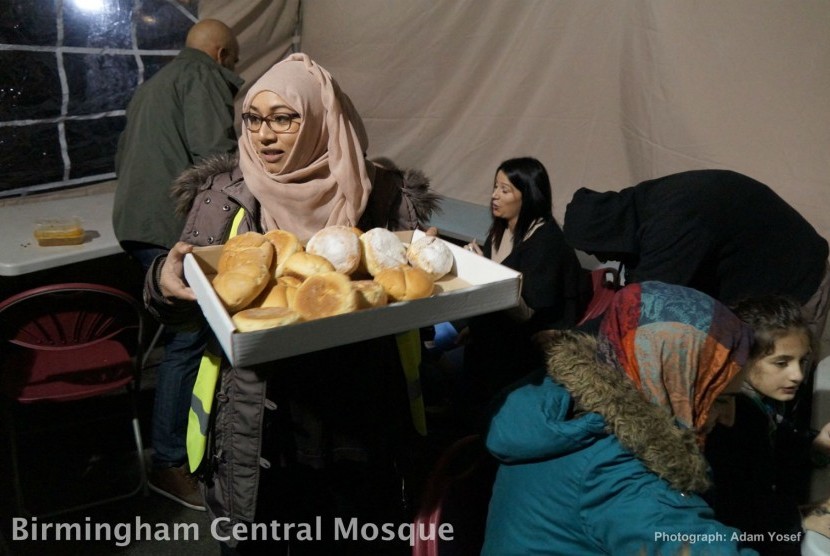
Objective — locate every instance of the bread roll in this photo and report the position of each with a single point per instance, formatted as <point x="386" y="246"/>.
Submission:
<point x="289" y="281"/>
<point x="259" y="318"/>
<point x="291" y="284"/>
<point x="431" y="255"/>
<point x="325" y="295"/>
<point x="339" y="244"/>
<point x="285" y="244"/>
<point x="369" y="294"/>
<point x="274" y="295"/>
<point x="244" y="241"/>
<point x="231" y="259"/>
<point x="381" y="249"/>
<point x="302" y="265"/>
<point x="405" y="283"/>
<point x="239" y="287"/>
<point x="252" y="244"/>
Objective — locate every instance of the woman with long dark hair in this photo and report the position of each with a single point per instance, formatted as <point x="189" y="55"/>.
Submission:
<point x="525" y="237"/>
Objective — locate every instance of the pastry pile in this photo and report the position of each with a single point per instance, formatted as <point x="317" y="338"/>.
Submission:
<point x="271" y="279"/>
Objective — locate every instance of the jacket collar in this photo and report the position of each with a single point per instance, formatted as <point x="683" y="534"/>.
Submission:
<point x="232" y="79"/>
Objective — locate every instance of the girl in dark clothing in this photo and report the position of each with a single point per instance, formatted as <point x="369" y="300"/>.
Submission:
<point x="761" y="464"/>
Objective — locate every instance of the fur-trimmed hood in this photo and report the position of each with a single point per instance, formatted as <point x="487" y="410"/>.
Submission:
<point x="645" y="429"/>
<point x="192" y="180"/>
<point x="596" y="400"/>
<point x="416" y="186"/>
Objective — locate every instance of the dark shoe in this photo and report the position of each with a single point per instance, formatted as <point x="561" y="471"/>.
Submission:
<point x="178" y="485"/>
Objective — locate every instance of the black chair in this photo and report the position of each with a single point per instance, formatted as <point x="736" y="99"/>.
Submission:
<point x="63" y="345"/>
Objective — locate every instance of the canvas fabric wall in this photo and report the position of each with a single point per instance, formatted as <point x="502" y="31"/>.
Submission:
<point x="267" y="31"/>
<point x="604" y="93"/>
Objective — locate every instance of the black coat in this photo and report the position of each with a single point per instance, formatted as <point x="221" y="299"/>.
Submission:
<point x="554" y="285"/>
<point x="760" y="471"/>
<point x="717" y="231"/>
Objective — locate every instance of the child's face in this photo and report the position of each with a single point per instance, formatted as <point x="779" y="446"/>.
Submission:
<point x="779" y="374"/>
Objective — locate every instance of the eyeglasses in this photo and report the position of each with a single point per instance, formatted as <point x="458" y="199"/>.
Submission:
<point x="278" y="123"/>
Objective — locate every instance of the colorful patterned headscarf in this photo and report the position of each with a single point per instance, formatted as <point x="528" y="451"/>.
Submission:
<point x="679" y="346"/>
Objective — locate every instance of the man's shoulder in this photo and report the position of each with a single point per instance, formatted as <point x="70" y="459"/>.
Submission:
<point x="189" y="65"/>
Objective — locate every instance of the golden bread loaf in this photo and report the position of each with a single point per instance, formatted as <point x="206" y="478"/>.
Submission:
<point x="285" y="244"/>
<point x="289" y="281"/>
<point x="239" y="287"/>
<point x="325" y="295"/>
<point x="236" y="258"/>
<point x="244" y="241"/>
<point x="243" y="249"/>
<point x="260" y="318"/>
<point x="243" y="270"/>
<point x="405" y="283"/>
<point x="291" y="284"/>
<point x="302" y="265"/>
<point x="274" y="295"/>
<point x="369" y="294"/>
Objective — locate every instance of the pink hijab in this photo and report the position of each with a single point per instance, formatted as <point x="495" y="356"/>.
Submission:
<point x="325" y="180"/>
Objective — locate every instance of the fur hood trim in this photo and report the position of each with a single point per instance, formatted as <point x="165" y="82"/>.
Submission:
<point x="645" y="429"/>
<point x="189" y="182"/>
<point x="416" y="187"/>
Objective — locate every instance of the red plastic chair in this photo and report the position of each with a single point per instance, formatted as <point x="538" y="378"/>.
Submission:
<point x="65" y="343"/>
<point x="605" y="282"/>
<point x="458" y="493"/>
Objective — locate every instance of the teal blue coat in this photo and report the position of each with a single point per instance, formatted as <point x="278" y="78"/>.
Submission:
<point x="567" y="486"/>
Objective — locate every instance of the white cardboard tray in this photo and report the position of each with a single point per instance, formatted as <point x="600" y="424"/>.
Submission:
<point x="475" y="285"/>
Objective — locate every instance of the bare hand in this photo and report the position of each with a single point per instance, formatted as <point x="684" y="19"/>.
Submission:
<point x="822" y="441"/>
<point x="432" y="231"/>
<point x="473" y="246"/>
<point x="171" y="279"/>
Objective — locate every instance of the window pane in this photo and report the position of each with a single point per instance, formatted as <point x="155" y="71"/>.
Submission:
<point x="30" y="155"/>
<point x="76" y="77"/>
<point x="29" y="86"/>
<point x="21" y="24"/>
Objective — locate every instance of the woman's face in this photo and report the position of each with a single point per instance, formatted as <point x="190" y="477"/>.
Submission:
<point x="779" y="374"/>
<point x="506" y="200"/>
<point x="273" y="147"/>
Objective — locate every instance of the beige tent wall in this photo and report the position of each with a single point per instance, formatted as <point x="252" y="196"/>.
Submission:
<point x="265" y="30"/>
<point x="604" y="93"/>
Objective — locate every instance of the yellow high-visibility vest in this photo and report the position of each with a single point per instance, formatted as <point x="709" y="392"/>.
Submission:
<point x="207" y="379"/>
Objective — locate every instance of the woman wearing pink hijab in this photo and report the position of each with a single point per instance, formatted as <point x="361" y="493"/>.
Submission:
<point x="312" y="435"/>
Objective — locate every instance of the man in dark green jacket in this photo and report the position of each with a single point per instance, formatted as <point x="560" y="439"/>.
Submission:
<point x="180" y="116"/>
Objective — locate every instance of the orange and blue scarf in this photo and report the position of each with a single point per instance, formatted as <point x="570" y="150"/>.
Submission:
<point x="679" y="346"/>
